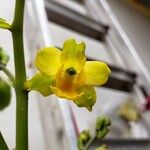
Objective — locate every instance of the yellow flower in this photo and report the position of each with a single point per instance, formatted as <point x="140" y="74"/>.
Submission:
<point x="67" y="74"/>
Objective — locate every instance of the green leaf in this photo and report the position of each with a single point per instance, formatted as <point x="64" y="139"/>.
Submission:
<point x="88" y="98"/>
<point x="41" y="83"/>
<point x="3" y="145"/>
<point x="5" y="94"/>
<point x="4" y="24"/>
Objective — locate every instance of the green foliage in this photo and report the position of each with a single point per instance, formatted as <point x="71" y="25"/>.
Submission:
<point x="5" y="94"/>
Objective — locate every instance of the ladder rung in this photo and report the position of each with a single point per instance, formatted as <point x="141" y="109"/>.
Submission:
<point x="71" y="19"/>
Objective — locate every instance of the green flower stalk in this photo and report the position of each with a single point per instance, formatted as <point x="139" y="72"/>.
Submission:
<point x="16" y="29"/>
<point x="20" y="75"/>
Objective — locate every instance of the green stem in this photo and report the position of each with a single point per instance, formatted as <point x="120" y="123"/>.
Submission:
<point x="89" y="143"/>
<point x="3" y="145"/>
<point x="9" y="74"/>
<point x="20" y="74"/>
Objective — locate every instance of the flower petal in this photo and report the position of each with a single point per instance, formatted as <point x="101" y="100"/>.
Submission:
<point x="73" y="55"/>
<point x="40" y="83"/>
<point x="71" y="95"/>
<point x="47" y="60"/>
<point x="88" y="97"/>
<point x="97" y="73"/>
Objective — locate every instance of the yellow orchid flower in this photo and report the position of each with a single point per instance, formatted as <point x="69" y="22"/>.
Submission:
<point x="67" y="74"/>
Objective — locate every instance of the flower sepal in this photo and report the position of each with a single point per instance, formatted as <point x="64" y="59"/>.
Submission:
<point x="88" y="97"/>
<point x="41" y="83"/>
<point x="4" y="24"/>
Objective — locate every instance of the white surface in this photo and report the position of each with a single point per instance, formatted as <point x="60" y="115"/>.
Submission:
<point x="137" y="27"/>
<point x="94" y="48"/>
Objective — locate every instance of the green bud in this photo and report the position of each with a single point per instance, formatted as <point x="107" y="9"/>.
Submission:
<point x="85" y="135"/>
<point x="102" y="122"/>
<point x="4" y="58"/>
<point x="4" y="24"/>
<point x="102" y="126"/>
<point x="83" y="138"/>
<point x="102" y="133"/>
<point x="5" y="94"/>
<point x="103" y="147"/>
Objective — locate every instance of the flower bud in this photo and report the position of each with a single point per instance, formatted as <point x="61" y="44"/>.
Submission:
<point x="103" y="147"/>
<point x="83" y="138"/>
<point x="4" y="58"/>
<point x="102" y="133"/>
<point x="5" y="94"/>
<point x="4" y="24"/>
<point x="102" y="124"/>
<point x="85" y="135"/>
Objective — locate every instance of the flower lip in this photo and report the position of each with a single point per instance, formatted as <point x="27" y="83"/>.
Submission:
<point x="71" y="71"/>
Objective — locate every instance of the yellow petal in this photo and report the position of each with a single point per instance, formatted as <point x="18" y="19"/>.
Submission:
<point x="88" y="97"/>
<point x="73" y="55"/>
<point x="47" y="60"/>
<point x="97" y="73"/>
<point x="71" y="95"/>
<point x="40" y="83"/>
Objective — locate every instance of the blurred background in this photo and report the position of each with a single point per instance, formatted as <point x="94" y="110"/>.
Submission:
<point x="116" y="32"/>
